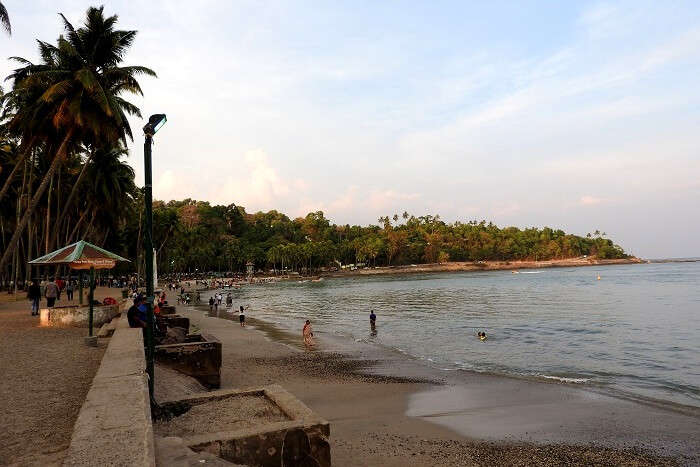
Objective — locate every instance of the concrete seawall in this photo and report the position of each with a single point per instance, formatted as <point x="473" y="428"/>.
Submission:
<point x="78" y="316"/>
<point x="114" y="425"/>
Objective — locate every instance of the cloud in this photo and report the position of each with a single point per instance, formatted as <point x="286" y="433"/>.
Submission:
<point x="383" y="199"/>
<point x="256" y="184"/>
<point x="588" y="200"/>
<point x="359" y="204"/>
<point x="165" y="183"/>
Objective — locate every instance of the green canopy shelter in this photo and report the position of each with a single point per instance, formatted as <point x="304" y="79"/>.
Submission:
<point x="81" y="256"/>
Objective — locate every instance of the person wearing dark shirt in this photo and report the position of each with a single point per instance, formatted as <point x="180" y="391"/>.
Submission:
<point x="34" y="294"/>
<point x="134" y="314"/>
<point x="372" y="320"/>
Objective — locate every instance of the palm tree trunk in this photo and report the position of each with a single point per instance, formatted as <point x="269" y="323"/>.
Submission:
<point x="69" y="239"/>
<point x="48" y="216"/>
<point x="73" y="190"/>
<point x="19" y="229"/>
<point x="29" y="224"/>
<point x="25" y="150"/>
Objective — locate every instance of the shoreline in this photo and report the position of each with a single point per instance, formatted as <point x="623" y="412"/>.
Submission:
<point x="446" y="413"/>
<point x="461" y="266"/>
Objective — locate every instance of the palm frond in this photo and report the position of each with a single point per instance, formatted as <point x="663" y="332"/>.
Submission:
<point x="5" y="19"/>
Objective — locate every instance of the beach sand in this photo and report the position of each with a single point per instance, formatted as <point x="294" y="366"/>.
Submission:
<point x="385" y="410"/>
<point x="460" y="266"/>
<point x="46" y="373"/>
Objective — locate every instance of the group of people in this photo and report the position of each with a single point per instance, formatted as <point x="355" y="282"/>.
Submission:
<point x="216" y="300"/>
<point x="308" y="333"/>
<point x="52" y="291"/>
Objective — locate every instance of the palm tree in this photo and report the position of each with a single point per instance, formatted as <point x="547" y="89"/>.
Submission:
<point x="112" y="188"/>
<point x="5" y="19"/>
<point x="79" y="84"/>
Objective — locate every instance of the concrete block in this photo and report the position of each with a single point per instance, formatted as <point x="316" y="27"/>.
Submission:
<point x="78" y="316"/>
<point x="90" y="341"/>
<point x="105" y="331"/>
<point x="200" y="358"/>
<point x="300" y="439"/>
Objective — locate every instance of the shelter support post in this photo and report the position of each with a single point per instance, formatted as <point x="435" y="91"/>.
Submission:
<point x="80" y="286"/>
<point x="91" y="296"/>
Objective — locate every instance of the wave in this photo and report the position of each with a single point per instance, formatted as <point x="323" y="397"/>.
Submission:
<point x="564" y="379"/>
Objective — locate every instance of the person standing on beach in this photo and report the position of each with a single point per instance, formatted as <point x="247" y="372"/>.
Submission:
<point x="372" y="321"/>
<point x="241" y="316"/>
<point x="211" y="303"/>
<point x="34" y="294"/>
<point x="308" y="334"/>
<point x="69" y="290"/>
<point x="51" y="293"/>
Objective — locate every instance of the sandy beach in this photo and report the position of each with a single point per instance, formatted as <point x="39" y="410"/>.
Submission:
<point x="385" y="410"/>
<point x="487" y="266"/>
<point x="46" y="374"/>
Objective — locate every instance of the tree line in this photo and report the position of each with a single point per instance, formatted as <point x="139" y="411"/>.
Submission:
<point x="196" y="236"/>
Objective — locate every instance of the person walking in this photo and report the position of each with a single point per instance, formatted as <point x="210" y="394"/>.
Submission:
<point x="51" y="292"/>
<point x="69" y="290"/>
<point x="372" y="321"/>
<point x="34" y="294"/>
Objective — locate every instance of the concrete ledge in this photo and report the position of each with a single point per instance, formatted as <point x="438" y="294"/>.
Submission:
<point x="114" y="425"/>
<point x="78" y="316"/>
<point x="302" y="439"/>
<point x="200" y="358"/>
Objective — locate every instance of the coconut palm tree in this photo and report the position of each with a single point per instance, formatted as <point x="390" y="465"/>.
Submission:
<point x="5" y="19"/>
<point x="80" y="84"/>
<point x="111" y="190"/>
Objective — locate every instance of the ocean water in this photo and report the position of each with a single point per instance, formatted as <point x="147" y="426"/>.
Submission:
<point x="636" y="330"/>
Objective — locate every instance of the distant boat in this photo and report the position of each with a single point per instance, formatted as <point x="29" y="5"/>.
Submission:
<point x="515" y="271"/>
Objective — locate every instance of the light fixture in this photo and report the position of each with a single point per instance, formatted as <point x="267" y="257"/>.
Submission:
<point x="155" y="122"/>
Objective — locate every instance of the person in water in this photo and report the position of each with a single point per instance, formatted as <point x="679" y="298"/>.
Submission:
<point x="241" y="316"/>
<point x="372" y="320"/>
<point x="482" y="335"/>
<point x="308" y="334"/>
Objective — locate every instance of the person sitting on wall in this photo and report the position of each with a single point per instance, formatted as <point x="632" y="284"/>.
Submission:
<point x="134" y="315"/>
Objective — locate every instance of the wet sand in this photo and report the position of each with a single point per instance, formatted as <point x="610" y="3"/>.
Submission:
<point x="385" y="410"/>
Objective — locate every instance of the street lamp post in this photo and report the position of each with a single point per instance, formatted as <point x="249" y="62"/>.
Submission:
<point x="155" y="122"/>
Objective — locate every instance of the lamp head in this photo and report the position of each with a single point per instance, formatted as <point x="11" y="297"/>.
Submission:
<point x="155" y="122"/>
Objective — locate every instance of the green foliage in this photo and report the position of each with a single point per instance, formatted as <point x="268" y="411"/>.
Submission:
<point x="198" y="236"/>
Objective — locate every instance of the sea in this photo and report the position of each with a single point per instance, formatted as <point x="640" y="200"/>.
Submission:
<point x="632" y="329"/>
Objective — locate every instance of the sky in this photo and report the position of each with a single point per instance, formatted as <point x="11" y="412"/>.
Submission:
<point x="574" y="115"/>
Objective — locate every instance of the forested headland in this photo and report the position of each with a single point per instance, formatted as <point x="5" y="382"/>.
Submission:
<point x="64" y="133"/>
<point x="194" y="235"/>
